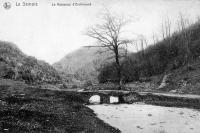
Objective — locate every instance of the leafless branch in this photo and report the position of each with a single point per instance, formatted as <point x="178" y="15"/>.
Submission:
<point x="108" y="36"/>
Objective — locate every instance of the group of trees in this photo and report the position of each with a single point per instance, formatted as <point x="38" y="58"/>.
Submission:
<point x="169" y="52"/>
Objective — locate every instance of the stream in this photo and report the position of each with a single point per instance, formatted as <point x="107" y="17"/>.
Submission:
<point x="142" y="118"/>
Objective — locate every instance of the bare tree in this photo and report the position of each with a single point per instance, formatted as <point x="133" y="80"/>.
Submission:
<point x="136" y="46"/>
<point x="166" y="28"/>
<point x="163" y="31"/>
<point x="155" y="38"/>
<point x="198" y="18"/>
<point x="182" y="27"/>
<point x="143" y="43"/>
<point x="182" y="22"/>
<point x="109" y="36"/>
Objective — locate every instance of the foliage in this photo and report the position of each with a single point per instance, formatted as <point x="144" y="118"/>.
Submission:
<point x="108" y="74"/>
<point x="87" y="83"/>
<point x="166" y="55"/>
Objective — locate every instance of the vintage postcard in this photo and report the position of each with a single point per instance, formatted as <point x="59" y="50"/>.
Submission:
<point x="99" y="66"/>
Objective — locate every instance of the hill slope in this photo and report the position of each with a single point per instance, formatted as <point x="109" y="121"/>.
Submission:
<point x="83" y="63"/>
<point x="72" y="62"/>
<point x="14" y="64"/>
<point x="174" y="61"/>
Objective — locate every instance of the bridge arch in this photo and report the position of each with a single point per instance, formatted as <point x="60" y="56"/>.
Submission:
<point x="114" y="99"/>
<point x="95" y="99"/>
<point x="101" y="97"/>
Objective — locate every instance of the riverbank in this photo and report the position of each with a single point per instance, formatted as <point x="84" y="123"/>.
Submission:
<point x="32" y="109"/>
<point x="163" y="100"/>
<point x="25" y="108"/>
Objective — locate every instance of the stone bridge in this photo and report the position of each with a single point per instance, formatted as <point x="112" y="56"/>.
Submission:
<point x="162" y="99"/>
<point x="108" y="96"/>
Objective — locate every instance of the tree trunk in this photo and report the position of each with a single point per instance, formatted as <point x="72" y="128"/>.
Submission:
<point x="118" y="65"/>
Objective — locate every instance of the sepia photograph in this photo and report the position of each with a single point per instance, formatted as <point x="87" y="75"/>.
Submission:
<point x="100" y="66"/>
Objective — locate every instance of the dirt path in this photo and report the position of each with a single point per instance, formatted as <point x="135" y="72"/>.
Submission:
<point x="172" y="95"/>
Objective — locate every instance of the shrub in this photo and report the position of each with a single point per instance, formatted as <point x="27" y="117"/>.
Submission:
<point x="87" y="83"/>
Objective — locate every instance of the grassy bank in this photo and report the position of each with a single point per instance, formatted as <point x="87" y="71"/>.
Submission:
<point x="32" y="109"/>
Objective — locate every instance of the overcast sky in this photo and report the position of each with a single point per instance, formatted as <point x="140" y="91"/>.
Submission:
<point x="49" y="33"/>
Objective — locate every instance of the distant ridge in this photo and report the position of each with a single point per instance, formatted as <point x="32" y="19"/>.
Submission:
<point x="83" y="63"/>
